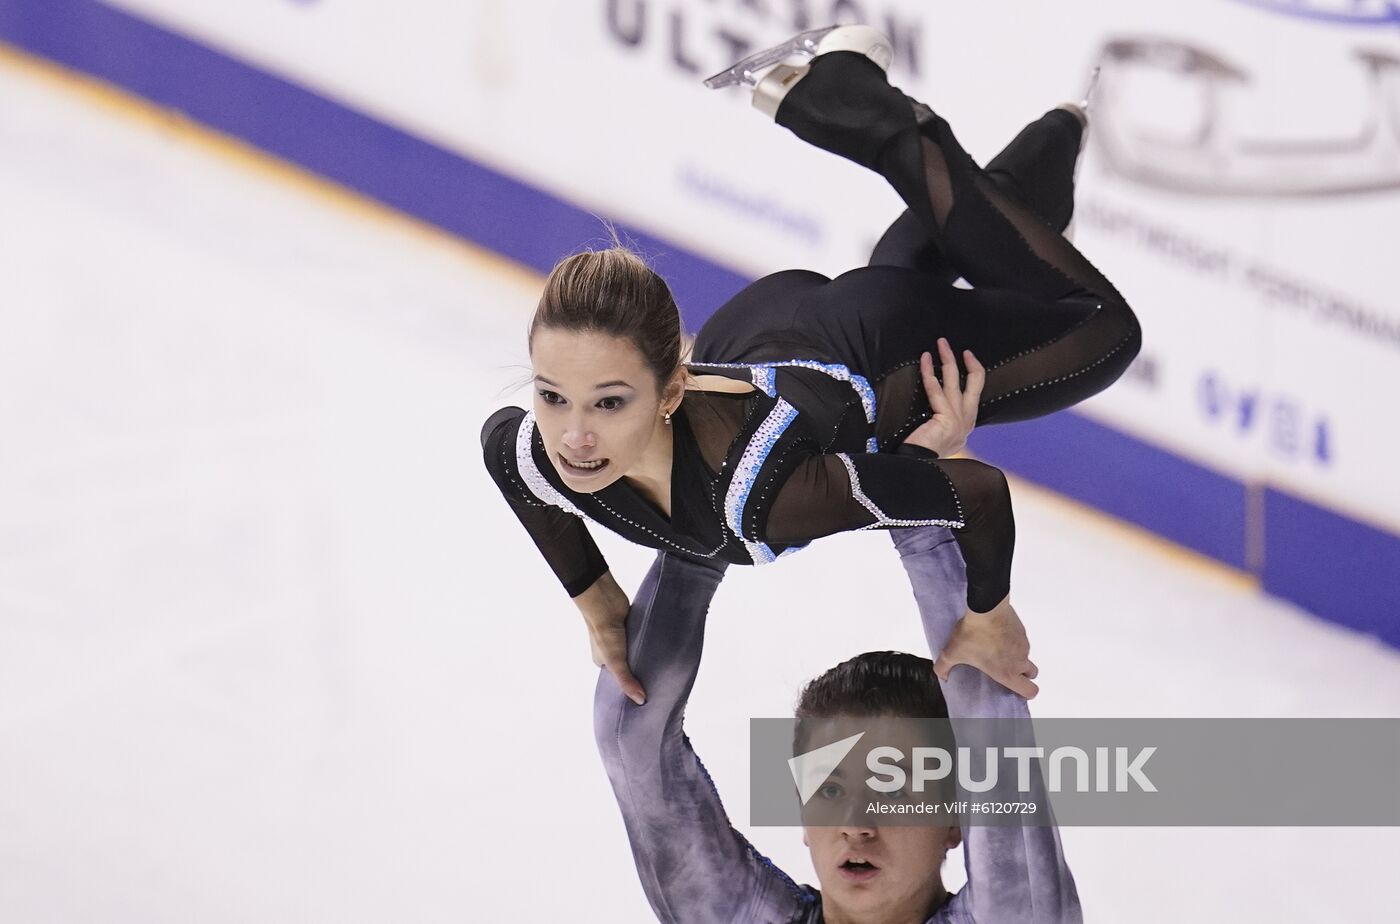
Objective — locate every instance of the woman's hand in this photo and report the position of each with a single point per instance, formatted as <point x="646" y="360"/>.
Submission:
<point x="607" y="639"/>
<point x="954" y="409"/>
<point x="995" y="643"/>
<point x="605" y="607"/>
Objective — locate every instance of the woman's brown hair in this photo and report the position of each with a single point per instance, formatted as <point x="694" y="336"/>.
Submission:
<point x="615" y="292"/>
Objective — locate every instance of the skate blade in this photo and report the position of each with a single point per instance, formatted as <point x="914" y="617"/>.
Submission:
<point x="746" y="72"/>
<point x="1093" y="84"/>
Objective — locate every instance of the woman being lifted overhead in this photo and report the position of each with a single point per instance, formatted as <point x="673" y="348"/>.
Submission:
<point x="812" y="405"/>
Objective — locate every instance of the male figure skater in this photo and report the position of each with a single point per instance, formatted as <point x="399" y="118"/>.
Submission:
<point x="696" y="868"/>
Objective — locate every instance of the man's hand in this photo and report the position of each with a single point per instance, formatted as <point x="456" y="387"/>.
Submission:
<point x="995" y="643"/>
<point x="954" y="410"/>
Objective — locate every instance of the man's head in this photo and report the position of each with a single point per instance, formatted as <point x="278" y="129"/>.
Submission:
<point x="867" y="869"/>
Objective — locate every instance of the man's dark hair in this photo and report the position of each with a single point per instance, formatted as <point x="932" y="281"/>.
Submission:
<point x="877" y="683"/>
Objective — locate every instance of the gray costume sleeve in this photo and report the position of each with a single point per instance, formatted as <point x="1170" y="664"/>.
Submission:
<point x="694" y="867"/>
<point x="1013" y="873"/>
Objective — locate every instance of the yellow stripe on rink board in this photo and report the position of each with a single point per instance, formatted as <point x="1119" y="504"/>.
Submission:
<point x="175" y="124"/>
<point x="246" y="156"/>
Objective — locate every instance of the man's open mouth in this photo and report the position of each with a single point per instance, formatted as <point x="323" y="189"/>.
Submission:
<point x="858" y="869"/>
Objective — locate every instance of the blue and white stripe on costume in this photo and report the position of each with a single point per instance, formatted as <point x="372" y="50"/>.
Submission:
<point x="765" y="379"/>
<point x="745" y="473"/>
<point x="763" y="375"/>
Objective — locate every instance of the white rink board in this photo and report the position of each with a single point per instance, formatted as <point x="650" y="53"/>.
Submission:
<point x="1262" y="357"/>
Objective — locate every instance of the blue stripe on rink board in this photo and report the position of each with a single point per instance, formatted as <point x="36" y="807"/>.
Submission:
<point x="1331" y="565"/>
<point x="1337" y="568"/>
<point x="427" y="181"/>
<point x="1200" y="508"/>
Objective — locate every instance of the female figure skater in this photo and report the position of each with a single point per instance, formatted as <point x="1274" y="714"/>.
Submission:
<point x="697" y="869"/>
<point x="812" y="406"/>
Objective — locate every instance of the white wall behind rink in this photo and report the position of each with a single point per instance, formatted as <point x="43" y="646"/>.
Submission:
<point x="1272" y="334"/>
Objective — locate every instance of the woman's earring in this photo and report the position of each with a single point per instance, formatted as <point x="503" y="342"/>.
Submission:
<point x="667" y="415"/>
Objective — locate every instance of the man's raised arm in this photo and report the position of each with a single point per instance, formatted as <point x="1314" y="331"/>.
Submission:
<point x="694" y="867"/>
<point x="1015" y="873"/>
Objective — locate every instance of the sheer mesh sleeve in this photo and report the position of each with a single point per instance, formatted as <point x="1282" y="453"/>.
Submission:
<point x="561" y="537"/>
<point x="828" y="494"/>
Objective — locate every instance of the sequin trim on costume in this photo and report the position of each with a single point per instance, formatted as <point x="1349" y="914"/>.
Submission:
<point x="530" y="473"/>
<point x="881" y="518"/>
<point x="746" y="472"/>
<point x="763" y="554"/>
<point x="657" y="536"/>
<point x="764" y="375"/>
<point x="764" y="379"/>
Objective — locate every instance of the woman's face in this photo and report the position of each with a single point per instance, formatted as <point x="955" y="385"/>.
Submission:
<point x="597" y="405"/>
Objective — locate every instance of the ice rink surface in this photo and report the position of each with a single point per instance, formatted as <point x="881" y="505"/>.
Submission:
<point x="273" y="650"/>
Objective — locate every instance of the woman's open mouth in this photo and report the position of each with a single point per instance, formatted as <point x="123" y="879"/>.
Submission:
<point x="582" y="469"/>
<point x="858" y="870"/>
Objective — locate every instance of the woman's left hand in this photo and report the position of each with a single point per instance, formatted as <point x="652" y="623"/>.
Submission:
<point x="954" y="408"/>
<point x="995" y="643"/>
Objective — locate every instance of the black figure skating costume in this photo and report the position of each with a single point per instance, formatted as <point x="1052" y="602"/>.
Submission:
<point x="816" y="448"/>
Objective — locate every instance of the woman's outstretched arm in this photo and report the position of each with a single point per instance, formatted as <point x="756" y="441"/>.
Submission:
<point x="831" y="493"/>
<point x="910" y="486"/>
<point x="564" y="542"/>
<point x="560" y="536"/>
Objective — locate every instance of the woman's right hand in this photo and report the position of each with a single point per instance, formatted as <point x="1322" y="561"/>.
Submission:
<point x="995" y="643"/>
<point x="605" y="607"/>
<point x="607" y="637"/>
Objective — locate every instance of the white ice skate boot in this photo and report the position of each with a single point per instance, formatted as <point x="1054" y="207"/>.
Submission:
<point x="773" y="72"/>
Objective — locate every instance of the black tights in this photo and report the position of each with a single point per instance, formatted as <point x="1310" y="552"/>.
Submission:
<point x="1049" y="327"/>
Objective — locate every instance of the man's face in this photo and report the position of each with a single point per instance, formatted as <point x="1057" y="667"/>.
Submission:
<point x="864" y="868"/>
